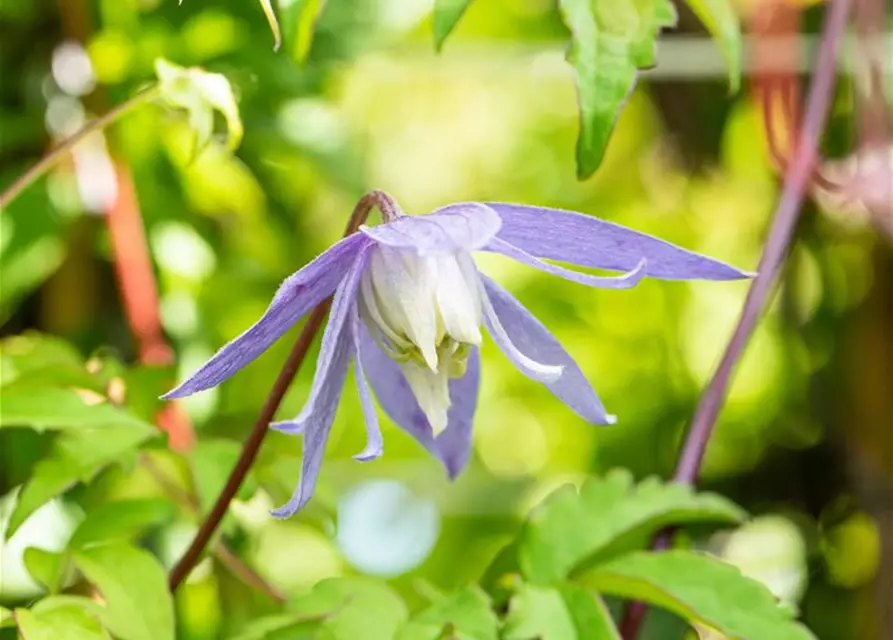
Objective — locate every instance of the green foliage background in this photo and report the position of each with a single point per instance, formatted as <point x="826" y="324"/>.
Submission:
<point x="805" y="432"/>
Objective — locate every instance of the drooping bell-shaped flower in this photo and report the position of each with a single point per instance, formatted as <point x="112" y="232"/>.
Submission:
<point x="409" y="305"/>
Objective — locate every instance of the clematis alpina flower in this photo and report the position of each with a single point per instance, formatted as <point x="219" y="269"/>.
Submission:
<point x="408" y="308"/>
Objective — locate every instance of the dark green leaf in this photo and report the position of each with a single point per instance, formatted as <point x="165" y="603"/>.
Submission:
<point x="43" y="407"/>
<point x="76" y="456"/>
<point x="721" y="19"/>
<point x="446" y="16"/>
<point x="46" y="567"/>
<point x="466" y="615"/>
<point x="134" y="586"/>
<point x="700" y="589"/>
<point x="121" y="520"/>
<point x="571" y="529"/>
<point x="67" y="623"/>
<point x="354" y="608"/>
<point x="564" y="612"/>
<point x="610" y="40"/>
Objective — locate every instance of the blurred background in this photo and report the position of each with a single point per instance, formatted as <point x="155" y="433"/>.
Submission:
<point x="805" y="441"/>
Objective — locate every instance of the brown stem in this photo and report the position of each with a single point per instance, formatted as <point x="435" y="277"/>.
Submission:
<point x="389" y="211"/>
<point x="777" y="244"/>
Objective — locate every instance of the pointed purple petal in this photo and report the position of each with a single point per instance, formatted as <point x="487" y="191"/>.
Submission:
<point x="453" y="446"/>
<point x="296" y="296"/>
<point x="532" y="337"/>
<point x="317" y="427"/>
<point x="586" y="241"/>
<point x="374" y="441"/>
<point x="626" y="281"/>
<point x="466" y="226"/>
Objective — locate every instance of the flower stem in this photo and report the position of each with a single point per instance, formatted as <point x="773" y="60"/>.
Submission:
<point x="796" y="179"/>
<point x="54" y="155"/>
<point x="389" y="210"/>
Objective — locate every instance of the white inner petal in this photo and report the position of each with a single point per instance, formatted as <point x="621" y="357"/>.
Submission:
<point x="432" y="391"/>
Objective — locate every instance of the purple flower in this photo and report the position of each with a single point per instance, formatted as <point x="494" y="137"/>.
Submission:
<point x="408" y="306"/>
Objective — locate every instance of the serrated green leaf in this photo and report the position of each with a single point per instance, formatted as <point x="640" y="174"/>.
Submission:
<point x="354" y="608"/>
<point x="572" y="529"/>
<point x="120" y="520"/>
<point x="610" y="41"/>
<point x="702" y="589"/>
<point x="299" y="19"/>
<point x="447" y="14"/>
<point x="466" y="615"/>
<point x="200" y="93"/>
<point x="41" y="407"/>
<point x="721" y="19"/>
<point x="134" y="586"/>
<point x="67" y="623"/>
<point x="75" y="456"/>
<point x="45" y="566"/>
<point x="563" y="612"/>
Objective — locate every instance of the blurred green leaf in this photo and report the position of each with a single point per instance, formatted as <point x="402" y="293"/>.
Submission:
<point x="134" y="586"/>
<point x="562" y="612"/>
<point x="700" y="589"/>
<point x="570" y="529"/>
<point x="212" y="461"/>
<point x="296" y="627"/>
<point x="354" y="608"/>
<point x="75" y="456"/>
<point x="298" y="24"/>
<point x="447" y="14"/>
<point x="610" y="41"/>
<point x="67" y="623"/>
<point x="40" y="407"/>
<point x="46" y="567"/>
<point x="721" y="20"/>
<point x="6" y="619"/>
<point x="274" y="23"/>
<point x="120" y="520"/>
<point x="39" y="359"/>
<point x="200" y="93"/>
<point x="466" y="615"/>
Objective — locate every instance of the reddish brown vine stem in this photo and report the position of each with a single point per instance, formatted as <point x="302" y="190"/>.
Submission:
<point x="292" y="365"/>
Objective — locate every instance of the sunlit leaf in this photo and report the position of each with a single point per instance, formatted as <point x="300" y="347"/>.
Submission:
<point x="120" y="520"/>
<point x="67" y="623"/>
<point x="562" y="612"/>
<point x="75" y="456"/>
<point x="701" y="589"/>
<point x="45" y="566"/>
<point x="721" y="20"/>
<point x="466" y="615"/>
<point x="299" y="19"/>
<point x="610" y="41"/>
<point x="447" y="14"/>
<point x="285" y="625"/>
<point x="571" y="529"/>
<point x="138" y="605"/>
<point x="200" y="93"/>
<point x="39" y="407"/>
<point x="6" y="619"/>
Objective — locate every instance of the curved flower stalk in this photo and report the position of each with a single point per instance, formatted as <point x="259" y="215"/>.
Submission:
<point x="408" y="308"/>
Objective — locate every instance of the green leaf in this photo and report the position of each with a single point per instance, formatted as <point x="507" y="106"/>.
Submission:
<point x="701" y="589"/>
<point x="466" y="615"/>
<point x="298" y="25"/>
<point x="212" y="461"/>
<point x="75" y="456"/>
<point x="564" y="612"/>
<point x="286" y="625"/>
<point x="274" y="23"/>
<point x="200" y="93"/>
<point x="446" y="16"/>
<point x="721" y="20"/>
<point x="67" y="623"/>
<point x="40" y="407"/>
<point x="120" y="520"/>
<point x="134" y="586"/>
<point x="572" y="529"/>
<point x="610" y="41"/>
<point x="6" y="619"/>
<point x="46" y="567"/>
<point x="354" y="608"/>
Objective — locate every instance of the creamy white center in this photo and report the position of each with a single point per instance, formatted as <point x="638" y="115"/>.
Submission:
<point x="425" y="313"/>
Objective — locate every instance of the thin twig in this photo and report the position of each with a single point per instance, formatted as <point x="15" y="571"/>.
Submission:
<point x="221" y="551"/>
<point x="56" y="154"/>
<point x="780" y="234"/>
<point x="389" y="209"/>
